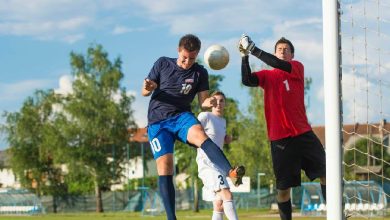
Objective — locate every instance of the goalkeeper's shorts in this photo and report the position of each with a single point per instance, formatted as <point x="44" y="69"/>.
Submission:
<point x="293" y="154"/>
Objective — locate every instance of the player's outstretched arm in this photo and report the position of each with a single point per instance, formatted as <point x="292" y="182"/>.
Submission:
<point x="205" y="101"/>
<point x="249" y="46"/>
<point x="271" y="60"/>
<point x="247" y="78"/>
<point x="148" y="87"/>
<point x="245" y="45"/>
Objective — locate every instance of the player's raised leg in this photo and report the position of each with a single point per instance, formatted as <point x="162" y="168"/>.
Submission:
<point x="196" y="136"/>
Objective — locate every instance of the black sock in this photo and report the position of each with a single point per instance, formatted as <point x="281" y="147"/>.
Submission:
<point x="323" y="190"/>
<point x="167" y="192"/>
<point x="285" y="210"/>
<point x="215" y="154"/>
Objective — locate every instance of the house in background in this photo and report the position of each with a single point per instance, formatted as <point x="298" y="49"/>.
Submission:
<point x="353" y="133"/>
<point x="7" y="177"/>
<point x="132" y="169"/>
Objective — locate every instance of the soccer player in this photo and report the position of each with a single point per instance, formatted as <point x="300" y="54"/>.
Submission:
<point x="215" y="186"/>
<point x="173" y="83"/>
<point x="294" y="146"/>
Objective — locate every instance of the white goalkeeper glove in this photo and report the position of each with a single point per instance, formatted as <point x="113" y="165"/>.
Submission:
<point x="243" y="52"/>
<point x="246" y="43"/>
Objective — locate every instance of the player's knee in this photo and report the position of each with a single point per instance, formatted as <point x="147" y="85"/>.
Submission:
<point x="196" y="135"/>
<point x="165" y="165"/>
<point x="226" y="194"/>
<point x="283" y="195"/>
<point x="218" y="206"/>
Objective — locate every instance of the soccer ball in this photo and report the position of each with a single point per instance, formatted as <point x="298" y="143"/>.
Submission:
<point x="216" y="57"/>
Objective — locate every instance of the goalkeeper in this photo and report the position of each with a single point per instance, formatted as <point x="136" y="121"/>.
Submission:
<point x="294" y="146"/>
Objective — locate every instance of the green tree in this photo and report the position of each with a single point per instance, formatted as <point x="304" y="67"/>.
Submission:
<point x="366" y="152"/>
<point x="94" y="121"/>
<point x="31" y="143"/>
<point x="252" y="146"/>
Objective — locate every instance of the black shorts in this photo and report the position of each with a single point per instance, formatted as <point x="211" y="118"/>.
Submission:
<point x="293" y="154"/>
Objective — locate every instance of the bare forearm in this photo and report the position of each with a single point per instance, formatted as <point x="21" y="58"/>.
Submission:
<point x="146" y="92"/>
<point x="148" y="87"/>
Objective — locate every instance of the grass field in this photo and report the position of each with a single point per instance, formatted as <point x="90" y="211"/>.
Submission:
<point x="202" y="215"/>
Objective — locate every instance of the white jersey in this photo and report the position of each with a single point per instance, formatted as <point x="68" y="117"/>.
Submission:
<point x="212" y="178"/>
<point x="214" y="126"/>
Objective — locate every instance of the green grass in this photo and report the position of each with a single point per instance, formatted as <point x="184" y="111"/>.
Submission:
<point x="202" y="215"/>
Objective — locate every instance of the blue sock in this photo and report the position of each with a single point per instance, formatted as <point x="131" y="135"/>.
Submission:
<point x="215" y="154"/>
<point x="167" y="192"/>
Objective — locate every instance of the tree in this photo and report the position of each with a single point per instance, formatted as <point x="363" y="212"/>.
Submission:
<point x="366" y="152"/>
<point x="94" y="120"/>
<point x="252" y="145"/>
<point x="31" y="156"/>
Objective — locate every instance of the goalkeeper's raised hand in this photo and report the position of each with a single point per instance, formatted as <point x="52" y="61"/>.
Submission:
<point x="246" y="43"/>
<point x="243" y="52"/>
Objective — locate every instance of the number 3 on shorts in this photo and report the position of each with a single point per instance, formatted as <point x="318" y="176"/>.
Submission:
<point x="221" y="179"/>
<point x="156" y="146"/>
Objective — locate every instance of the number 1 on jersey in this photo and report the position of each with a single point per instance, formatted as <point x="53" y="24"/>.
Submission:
<point x="286" y="84"/>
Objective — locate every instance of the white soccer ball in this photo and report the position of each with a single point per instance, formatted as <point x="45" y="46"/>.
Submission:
<point x="216" y="57"/>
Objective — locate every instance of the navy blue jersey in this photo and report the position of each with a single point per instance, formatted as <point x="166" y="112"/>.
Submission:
<point x="176" y="88"/>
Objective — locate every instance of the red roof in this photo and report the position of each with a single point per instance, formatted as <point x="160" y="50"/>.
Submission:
<point x="138" y="135"/>
<point x="355" y="129"/>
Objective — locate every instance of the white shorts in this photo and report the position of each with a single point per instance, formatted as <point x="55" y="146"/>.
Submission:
<point x="213" y="181"/>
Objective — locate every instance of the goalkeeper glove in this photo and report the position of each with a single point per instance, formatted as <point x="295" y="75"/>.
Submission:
<point x="246" y="43"/>
<point x="243" y="52"/>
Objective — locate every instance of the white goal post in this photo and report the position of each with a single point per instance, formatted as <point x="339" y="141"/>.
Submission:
<point x="331" y="45"/>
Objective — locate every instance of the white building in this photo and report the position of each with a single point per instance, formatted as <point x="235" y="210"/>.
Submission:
<point x="7" y="177"/>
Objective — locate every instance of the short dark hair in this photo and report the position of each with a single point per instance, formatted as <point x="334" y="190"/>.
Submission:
<point x="284" y="41"/>
<point x="190" y="42"/>
<point x="218" y="93"/>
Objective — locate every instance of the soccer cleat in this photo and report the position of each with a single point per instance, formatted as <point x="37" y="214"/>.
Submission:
<point x="236" y="174"/>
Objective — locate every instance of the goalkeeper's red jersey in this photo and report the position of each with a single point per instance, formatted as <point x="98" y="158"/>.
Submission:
<point x="284" y="105"/>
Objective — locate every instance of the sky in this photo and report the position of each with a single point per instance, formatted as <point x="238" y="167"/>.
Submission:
<point x="37" y="37"/>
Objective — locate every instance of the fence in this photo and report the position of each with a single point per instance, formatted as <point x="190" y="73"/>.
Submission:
<point x="307" y="198"/>
<point x="148" y="200"/>
<point x="19" y="202"/>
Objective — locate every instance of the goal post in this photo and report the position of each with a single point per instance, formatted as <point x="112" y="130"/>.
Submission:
<point x="331" y="63"/>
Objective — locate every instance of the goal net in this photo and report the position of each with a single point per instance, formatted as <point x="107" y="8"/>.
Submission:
<point x="364" y="40"/>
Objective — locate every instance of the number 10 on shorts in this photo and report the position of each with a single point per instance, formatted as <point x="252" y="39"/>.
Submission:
<point x="156" y="146"/>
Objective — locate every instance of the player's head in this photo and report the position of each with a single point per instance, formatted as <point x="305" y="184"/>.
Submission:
<point x="221" y="101"/>
<point x="284" y="49"/>
<point x="189" y="47"/>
